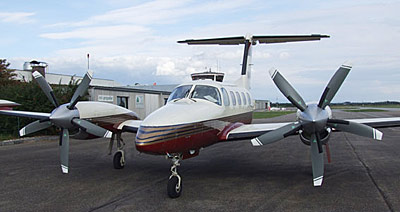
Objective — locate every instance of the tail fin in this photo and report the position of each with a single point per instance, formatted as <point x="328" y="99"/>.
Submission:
<point x="248" y="41"/>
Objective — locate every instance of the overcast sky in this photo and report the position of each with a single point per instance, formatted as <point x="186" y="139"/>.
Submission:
<point x="135" y="41"/>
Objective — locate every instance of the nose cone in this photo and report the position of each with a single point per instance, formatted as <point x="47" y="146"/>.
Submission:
<point x="183" y="111"/>
<point x="62" y="116"/>
<point x="313" y="118"/>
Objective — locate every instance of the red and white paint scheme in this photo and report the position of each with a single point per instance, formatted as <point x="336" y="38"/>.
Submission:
<point x="204" y="112"/>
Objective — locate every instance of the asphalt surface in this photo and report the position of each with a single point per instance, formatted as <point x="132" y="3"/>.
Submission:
<point x="364" y="176"/>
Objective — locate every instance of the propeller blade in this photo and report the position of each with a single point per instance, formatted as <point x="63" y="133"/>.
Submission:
<point x="317" y="160"/>
<point x="82" y="88"/>
<point x="34" y="127"/>
<point x="89" y="127"/>
<point x="334" y="85"/>
<point x="64" y="150"/>
<point x="355" y="128"/>
<point x="45" y="87"/>
<point x="318" y="137"/>
<point x="287" y="90"/>
<point x="276" y="135"/>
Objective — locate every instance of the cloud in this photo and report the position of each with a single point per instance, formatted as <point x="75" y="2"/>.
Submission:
<point x="16" y="17"/>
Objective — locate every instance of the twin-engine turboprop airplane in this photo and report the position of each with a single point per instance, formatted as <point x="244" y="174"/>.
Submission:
<point x="201" y="113"/>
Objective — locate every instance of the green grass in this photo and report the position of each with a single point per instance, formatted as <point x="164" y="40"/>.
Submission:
<point x="365" y="110"/>
<point x="270" y="114"/>
<point x="341" y="107"/>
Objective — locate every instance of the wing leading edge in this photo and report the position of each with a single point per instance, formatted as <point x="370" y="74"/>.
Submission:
<point x="250" y="131"/>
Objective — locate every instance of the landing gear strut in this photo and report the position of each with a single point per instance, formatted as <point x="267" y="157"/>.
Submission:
<point x="174" y="187"/>
<point x="119" y="156"/>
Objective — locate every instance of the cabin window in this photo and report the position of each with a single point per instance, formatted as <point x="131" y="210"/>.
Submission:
<point x="208" y="93"/>
<point x="244" y="99"/>
<point x="225" y="97"/>
<point x="233" y="98"/>
<point x="248" y="98"/>
<point x="180" y="92"/>
<point x="238" y="98"/>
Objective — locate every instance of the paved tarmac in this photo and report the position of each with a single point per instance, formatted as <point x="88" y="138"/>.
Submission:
<point x="364" y="176"/>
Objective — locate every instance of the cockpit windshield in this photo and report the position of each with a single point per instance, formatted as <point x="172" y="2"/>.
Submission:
<point x="208" y="93"/>
<point x="180" y="92"/>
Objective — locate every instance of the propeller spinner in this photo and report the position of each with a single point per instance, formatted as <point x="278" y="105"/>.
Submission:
<point x="315" y="119"/>
<point x="65" y="116"/>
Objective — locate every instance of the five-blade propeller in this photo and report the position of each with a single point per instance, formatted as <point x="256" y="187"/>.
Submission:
<point x="64" y="116"/>
<point x="314" y="120"/>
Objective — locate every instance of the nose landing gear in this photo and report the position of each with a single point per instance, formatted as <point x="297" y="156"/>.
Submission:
<point x="174" y="187"/>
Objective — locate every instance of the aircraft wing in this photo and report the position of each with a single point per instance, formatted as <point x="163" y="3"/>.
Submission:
<point x="130" y="126"/>
<point x="27" y="114"/>
<point x="250" y="131"/>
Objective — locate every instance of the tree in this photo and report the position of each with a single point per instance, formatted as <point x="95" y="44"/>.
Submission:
<point x="6" y="75"/>
<point x="31" y="98"/>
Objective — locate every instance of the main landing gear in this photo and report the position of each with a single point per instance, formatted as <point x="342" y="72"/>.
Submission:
<point x="119" y="156"/>
<point x="174" y="187"/>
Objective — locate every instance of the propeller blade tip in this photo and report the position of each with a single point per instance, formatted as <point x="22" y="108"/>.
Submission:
<point x="108" y="134"/>
<point x="347" y="64"/>
<point x="256" y="142"/>
<point x="36" y="74"/>
<point x="64" y="169"/>
<point x="272" y="72"/>
<point x="90" y="74"/>
<point x="22" y="132"/>
<point x="318" y="181"/>
<point x="378" y="135"/>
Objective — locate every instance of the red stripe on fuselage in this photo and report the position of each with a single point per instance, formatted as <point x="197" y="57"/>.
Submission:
<point x="192" y="140"/>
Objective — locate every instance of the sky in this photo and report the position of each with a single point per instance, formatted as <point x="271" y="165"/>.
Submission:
<point x="135" y="42"/>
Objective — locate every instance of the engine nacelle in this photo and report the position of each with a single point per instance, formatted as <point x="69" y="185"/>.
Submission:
<point x="324" y="135"/>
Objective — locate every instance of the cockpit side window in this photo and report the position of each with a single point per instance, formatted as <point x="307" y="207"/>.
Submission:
<point x="225" y="96"/>
<point x="180" y="92"/>
<point x="208" y="93"/>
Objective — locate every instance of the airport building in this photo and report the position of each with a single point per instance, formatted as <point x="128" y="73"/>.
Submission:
<point x="142" y="99"/>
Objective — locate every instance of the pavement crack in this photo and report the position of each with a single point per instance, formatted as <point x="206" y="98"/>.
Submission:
<point x="368" y="170"/>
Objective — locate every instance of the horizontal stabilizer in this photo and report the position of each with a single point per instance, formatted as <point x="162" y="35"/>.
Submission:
<point x="266" y="39"/>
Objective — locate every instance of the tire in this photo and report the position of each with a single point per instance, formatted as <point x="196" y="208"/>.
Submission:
<point x="117" y="160"/>
<point x="173" y="191"/>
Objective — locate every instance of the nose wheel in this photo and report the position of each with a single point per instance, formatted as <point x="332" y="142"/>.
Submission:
<point x="174" y="187"/>
<point x="119" y="155"/>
